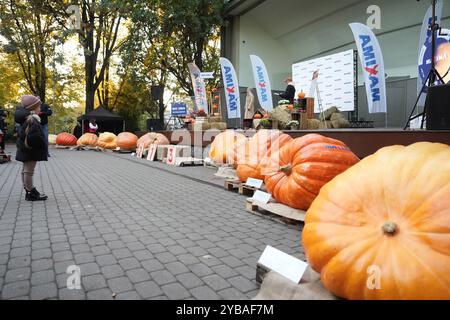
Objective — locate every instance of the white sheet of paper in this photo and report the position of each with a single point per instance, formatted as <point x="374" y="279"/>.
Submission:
<point x="262" y="197"/>
<point x="255" y="183"/>
<point x="288" y="266"/>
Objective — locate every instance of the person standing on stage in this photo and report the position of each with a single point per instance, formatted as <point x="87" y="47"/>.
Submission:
<point x="289" y="94"/>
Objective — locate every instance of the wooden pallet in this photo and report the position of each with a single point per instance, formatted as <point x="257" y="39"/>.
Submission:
<point x="123" y="151"/>
<point x="276" y="211"/>
<point x="240" y="187"/>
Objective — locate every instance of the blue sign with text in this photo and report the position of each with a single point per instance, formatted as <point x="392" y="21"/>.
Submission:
<point x="179" y="109"/>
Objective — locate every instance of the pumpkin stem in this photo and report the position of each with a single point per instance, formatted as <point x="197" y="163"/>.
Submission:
<point x="390" y="228"/>
<point x="286" y="169"/>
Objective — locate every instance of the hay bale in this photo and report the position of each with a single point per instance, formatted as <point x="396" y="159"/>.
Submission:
<point x="327" y="114"/>
<point x="219" y="126"/>
<point x="281" y="116"/>
<point x="313" y="124"/>
<point x="326" y="125"/>
<point x="215" y="119"/>
<point x="339" y="122"/>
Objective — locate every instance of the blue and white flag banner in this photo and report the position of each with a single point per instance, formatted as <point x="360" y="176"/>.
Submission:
<point x="198" y="84"/>
<point x="231" y="89"/>
<point x="424" y="60"/>
<point x="262" y="83"/>
<point x="373" y="67"/>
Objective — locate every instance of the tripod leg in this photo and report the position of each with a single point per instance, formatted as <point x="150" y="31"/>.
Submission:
<point x="418" y="99"/>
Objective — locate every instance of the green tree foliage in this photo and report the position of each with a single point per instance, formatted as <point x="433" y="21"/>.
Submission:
<point x="164" y="36"/>
<point x="29" y="35"/>
<point x="98" y="35"/>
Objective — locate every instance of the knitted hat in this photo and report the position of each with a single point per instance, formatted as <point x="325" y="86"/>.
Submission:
<point x="30" y="102"/>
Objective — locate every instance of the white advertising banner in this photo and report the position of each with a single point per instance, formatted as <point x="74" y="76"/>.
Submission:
<point x="231" y="88"/>
<point x="337" y="81"/>
<point x="262" y="83"/>
<point x="198" y="84"/>
<point x="373" y="67"/>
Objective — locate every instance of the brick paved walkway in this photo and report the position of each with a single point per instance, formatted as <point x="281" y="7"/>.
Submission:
<point x="135" y="231"/>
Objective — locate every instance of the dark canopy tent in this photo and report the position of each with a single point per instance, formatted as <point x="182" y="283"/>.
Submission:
<point x="106" y="120"/>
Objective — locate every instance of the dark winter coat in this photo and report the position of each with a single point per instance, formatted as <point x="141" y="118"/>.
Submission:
<point x="45" y="113"/>
<point x="289" y="94"/>
<point x="31" y="146"/>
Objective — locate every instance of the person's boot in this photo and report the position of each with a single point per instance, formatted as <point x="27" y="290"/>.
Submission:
<point x="34" y="195"/>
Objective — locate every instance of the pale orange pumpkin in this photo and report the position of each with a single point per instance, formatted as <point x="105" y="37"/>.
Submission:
<point x="153" y="138"/>
<point x="261" y="145"/>
<point x="225" y="145"/>
<point x="107" y="140"/>
<point x="127" y="141"/>
<point x="87" y="140"/>
<point x="295" y="174"/>
<point x="381" y="230"/>
<point x="66" y="139"/>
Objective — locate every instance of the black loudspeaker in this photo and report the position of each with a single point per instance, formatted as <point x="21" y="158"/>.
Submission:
<point x="157" y="92"/>
<point x="438" y="107"/>
<point x="154" y="125"/>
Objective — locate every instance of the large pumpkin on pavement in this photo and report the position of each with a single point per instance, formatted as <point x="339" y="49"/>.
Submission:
<point x="295" y="174"/>
<point x="107" y="140"/>
<point x="127" y="141"/>
<point x="381" y="230"/>
<point x="88" y="140"/>
<point x="66" y="139"/>
<point x="153" y="138"/>
<point x="225" y="145"/>
<point x="261" y="145"/>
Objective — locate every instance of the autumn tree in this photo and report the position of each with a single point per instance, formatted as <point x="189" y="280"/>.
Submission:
<point x="164" y="36"/>
<point x="100" y="22"/>
<point x="30" y="36"/>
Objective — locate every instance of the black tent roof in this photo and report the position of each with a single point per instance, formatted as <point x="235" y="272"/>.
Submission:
<point x="101" y="114"/>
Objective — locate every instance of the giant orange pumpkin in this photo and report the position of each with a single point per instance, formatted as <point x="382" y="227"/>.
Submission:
<point x="66" y="139"/>
<point x="381" y="230"/>
<point x="295" y="174"/>
<point x="88" y="140"/>
<point x="107" y="140"/>
<point x="224" y="146"/>
<point x="261" y="145"/>
<point x="127" y="141"/>
<point x="153" y="138"/>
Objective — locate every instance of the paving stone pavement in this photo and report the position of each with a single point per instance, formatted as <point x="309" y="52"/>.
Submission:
<point x="135" y="232"/>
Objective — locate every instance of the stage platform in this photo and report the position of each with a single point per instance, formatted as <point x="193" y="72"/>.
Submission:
<point x="363" y="142"/>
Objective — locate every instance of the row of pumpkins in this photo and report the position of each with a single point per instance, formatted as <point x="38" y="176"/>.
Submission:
<point x="124" y="141"/>
<point x="375" y="229"/>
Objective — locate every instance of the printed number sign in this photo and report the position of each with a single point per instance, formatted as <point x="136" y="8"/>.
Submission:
<point x="140" y="151"/>
<point x="152" y="152"/>
<point x="171" y="156"/>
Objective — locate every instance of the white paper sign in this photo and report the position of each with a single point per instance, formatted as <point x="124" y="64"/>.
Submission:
<point x="262" y="197"/>
<point x="255" y="183"/>
<point x="289" y="267"/>
<point x="171" y="156"/>
<point x="140" y="151"/>
<point x="207" y="75"/>
<point x="152" y="152"/>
